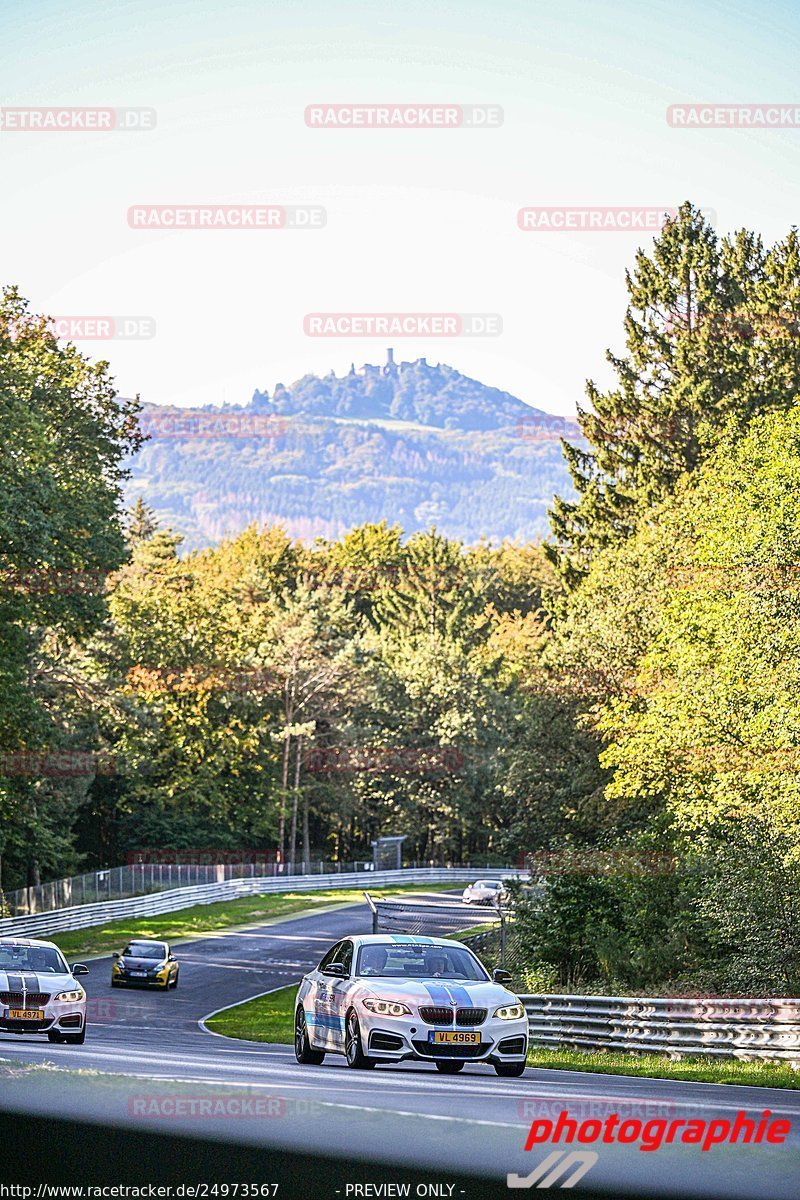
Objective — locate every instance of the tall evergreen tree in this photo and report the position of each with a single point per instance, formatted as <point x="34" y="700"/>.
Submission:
<point x="711" y="339"/>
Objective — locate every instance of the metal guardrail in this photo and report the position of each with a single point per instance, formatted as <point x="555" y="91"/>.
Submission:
<point x="84" y="916"/>
<point x="747" y="1029"/>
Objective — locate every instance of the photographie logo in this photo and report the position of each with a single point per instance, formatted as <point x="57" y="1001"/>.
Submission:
<point x="77" y="120"/>
<point x="402" y="324"/>
<point x="404" y="116"/>
<point x="594" y="219"/>
<point x="227" y="216"/>
<point x="384" y="760"/>
<point x="99" y="329"/>
<point x="734" y="116"/>
<point x="57" y="764"/>
<point x="649" y="1136"/>
<point x="187" y="426"/>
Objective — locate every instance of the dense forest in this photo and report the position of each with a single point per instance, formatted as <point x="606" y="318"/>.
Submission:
<point x="627" y="692"/>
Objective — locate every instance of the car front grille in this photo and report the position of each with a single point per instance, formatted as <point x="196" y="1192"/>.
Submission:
<point x="437" y="1016"/>
<point x="470" y="1016"/>
<point x="31" y="1000"/>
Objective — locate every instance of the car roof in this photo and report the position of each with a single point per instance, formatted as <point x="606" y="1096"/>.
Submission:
<point x="10" y="941"/>
<point x="388" y="939"/>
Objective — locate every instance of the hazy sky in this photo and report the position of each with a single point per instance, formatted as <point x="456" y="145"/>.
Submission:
<point x="417" y="220"/>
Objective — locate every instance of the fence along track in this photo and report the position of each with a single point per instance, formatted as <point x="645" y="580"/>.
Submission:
<point x="84" y="916"/>
<point x="747" y="1029"/>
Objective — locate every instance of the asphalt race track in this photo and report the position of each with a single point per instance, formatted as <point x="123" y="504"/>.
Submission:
<point x="147" y="1050"/>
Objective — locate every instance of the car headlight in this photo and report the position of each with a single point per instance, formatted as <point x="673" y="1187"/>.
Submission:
<point x="386" y="1008"/>
<point x="510" y="1012"/>
<point x="71" y="996"/>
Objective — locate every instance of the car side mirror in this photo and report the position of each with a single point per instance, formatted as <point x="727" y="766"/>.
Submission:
<point x="336" y="969"/>
<point x="501" y="976"/>
<point x="79" y="969"/>
<point x="116" y="954"/>
<point x="171" y="958"/>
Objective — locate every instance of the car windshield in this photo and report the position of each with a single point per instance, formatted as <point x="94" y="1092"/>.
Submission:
<point x="42" y="960"/>
<point x="143" y="950"/>
<point x="393" y="960"/>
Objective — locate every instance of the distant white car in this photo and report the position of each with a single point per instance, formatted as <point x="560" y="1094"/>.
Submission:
<point x="389" y="997"/>
<point x="485" y="891"/>
<point x="39" y="993"/>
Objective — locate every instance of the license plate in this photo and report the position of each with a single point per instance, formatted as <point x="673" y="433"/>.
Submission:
<point x="453" y="1036"/>
<point x="24" y="1014"/>
<point x="137" y="974"/>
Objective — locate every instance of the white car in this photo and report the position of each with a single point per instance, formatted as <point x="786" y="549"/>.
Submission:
<point x="39" y="993"/>
<point x="485" y="891"/>
<point x="389" y="997"/>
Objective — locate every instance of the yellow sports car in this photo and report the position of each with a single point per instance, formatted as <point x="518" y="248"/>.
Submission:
<point x="147" y="962"/>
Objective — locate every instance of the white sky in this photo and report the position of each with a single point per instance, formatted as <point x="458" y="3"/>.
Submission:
<point x="417" y="220"/>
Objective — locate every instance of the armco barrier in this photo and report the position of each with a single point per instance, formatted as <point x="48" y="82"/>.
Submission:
<point x="730" y="1028"/>
<point x="83" y="916"/>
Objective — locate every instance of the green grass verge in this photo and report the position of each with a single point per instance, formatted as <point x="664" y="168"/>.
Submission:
<point x="270" y="1019"/>
<point x="266" y="1019"/>
<point x="204" y="918"/>
<point x="657" y="1066"/>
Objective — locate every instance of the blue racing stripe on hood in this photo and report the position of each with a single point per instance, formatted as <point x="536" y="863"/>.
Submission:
<point x="459" y="995"/>
<point x="438" y="994"/>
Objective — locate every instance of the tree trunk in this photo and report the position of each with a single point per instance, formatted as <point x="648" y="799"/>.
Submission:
<point x="284" y="791"/>
<point x="295" y="795"/>
<point x="306" y="842"/>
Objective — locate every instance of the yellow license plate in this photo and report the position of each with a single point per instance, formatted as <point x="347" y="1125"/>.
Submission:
<point x="25" y="1014"/>
<point x="453" y="1036"/>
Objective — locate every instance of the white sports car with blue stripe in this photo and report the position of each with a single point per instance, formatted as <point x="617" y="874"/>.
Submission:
<point x="383" y="998"/>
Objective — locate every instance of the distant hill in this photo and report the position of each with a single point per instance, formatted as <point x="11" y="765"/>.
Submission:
<point x="414" y="443"/>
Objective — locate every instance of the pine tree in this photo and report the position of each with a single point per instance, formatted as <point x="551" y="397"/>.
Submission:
<point x="141" y="523"/>
<point x="709" y="340"/>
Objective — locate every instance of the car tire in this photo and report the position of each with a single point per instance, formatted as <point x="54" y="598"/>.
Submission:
<point x="353" y="1052"/>
<point x="509" y="1070"/>
<point x="175" y="980"/>
<point x="449" y="1068"/>
<point x="75" y="1039"/>
<point x="55" y="1037"/>
<point x="303" y="1051"/>
<point x="116" y="983"/>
